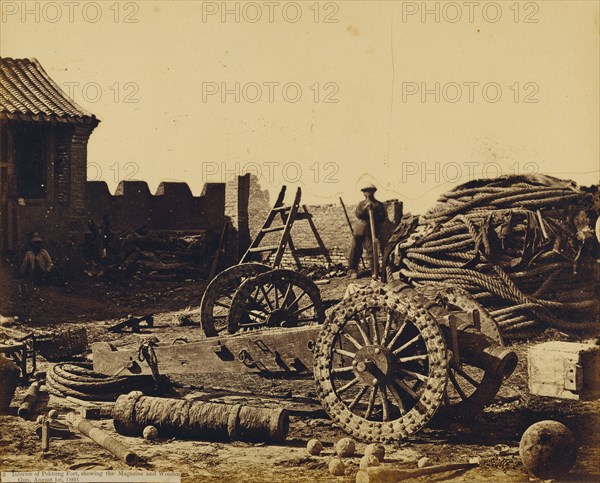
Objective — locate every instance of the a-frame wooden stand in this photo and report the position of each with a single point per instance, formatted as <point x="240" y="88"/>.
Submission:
<point x="288" y="214"/>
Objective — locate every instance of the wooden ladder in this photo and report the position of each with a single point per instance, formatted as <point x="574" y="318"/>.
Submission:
<point x="287" y="214"/>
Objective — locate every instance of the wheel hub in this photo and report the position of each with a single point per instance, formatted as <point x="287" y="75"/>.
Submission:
<point x="373" y="364"/>
<point x="278" y="318"/>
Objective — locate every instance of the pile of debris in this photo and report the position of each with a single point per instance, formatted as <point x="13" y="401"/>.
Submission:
<point x="151" y="255"/>
<point x="522" y="245"/>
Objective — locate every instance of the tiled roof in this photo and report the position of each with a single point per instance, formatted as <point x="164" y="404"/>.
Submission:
<point x="27" y="93"/>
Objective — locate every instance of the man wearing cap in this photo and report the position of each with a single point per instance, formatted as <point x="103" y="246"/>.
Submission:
<point x="37" y="261"/>
<point x="362" y="229"/>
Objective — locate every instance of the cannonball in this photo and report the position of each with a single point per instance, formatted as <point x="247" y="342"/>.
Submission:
<point x="548" y="449"/>
<point x="53" y="414"/>
<point x="314" y="447"/>
<point x="423" y="462"/>
<point x="39" y="419"/>
<point x="150" y="433"/>
<point x="368" y="460"/>
<point x="345" y="447"/>
<point x="376" y="450"/>
<point x="336" y="467"/>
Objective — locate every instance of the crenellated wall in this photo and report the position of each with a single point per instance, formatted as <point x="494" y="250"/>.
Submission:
<point x="172" y="207"/>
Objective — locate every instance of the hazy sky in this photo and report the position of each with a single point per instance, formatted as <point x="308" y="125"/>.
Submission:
<point x="413" y="96"/>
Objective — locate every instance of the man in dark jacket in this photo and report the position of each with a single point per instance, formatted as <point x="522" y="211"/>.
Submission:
<point x="362" y="229"/>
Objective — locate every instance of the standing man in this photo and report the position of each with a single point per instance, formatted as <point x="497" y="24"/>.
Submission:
<point x="362" y="229"/>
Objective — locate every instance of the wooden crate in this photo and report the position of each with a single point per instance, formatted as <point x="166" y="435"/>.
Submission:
<point x="566" y="370"/>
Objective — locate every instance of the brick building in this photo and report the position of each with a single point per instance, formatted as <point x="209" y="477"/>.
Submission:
<point x="43" y="160"/>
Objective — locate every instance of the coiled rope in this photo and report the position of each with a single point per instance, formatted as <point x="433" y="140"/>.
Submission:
<point x="521" y="245"/>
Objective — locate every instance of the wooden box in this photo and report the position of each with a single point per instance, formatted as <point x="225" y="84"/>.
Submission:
<point x="566" y="370"/>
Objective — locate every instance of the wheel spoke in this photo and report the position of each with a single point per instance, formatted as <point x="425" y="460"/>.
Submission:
<point x="385" y="404"/>
<point x="397" y="398"/>
<point x="266" y="299"/>
<point x="400" y="383"/>
<point x="376" y="337"/>
<point x="297" y="299"/>
<point x="386" y="329"/>
<point x="397" y="335"/>
<point x="341" y="370"/>
<point x="466" y="376"/>
<point x="456" y="385"/>
<point x="413" y="358"/>
<point x="296" y="312"/>
<point x="416" y="375"/>
<point x="345" y="387"/>
<point x="353" y="340"/>
<point x="371" y="403"/>
<point x="221" y="304"/>
<point x="276" y="297"/>
<point x="342" y="352"/>
<point x="404" y="346"/>
<point x="358" y="397"/>
<point x="362" y="333"/>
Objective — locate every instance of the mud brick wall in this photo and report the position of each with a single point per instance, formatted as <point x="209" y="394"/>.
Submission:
<point x="173" y="207"/>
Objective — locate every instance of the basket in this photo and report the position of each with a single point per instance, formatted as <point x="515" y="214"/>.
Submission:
<point x="62" y="344"/>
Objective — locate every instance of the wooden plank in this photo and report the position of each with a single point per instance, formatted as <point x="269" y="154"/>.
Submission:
<point x="268" y="350"/>
<point x="565" y="370"/>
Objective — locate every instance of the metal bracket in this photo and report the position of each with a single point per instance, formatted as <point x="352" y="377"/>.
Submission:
<point x="573" y="376"/>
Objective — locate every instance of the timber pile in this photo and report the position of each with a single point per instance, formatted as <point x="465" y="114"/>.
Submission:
<point x="152" y="255"/>
<point x="522" y="245"/>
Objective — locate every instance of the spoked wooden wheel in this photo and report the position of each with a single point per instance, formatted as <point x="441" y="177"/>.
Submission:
<point x="279" y="298"/>
<point x="217" y="298"/>
<point x="380" y="366"/>
<point x="469" y="388"/>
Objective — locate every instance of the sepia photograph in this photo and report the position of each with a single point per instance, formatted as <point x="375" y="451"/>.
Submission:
<point x="299" y="241"/>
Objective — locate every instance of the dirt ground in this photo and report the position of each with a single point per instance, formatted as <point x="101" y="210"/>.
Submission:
<point x="94" y="305"/>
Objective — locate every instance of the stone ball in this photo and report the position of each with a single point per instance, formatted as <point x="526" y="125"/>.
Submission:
<point x="345" y="447"/>
<point x="150" y="433"/>
<point x="336" y="467"/>
<point x="376" y="450"/>
<point x="53" y="414"/>
<point x="368" y="460"/>
<point x="548" y="449"/>
<point x="39" y="419"/>
<point x="314" y="447"/>
<point x="423" y="462"/>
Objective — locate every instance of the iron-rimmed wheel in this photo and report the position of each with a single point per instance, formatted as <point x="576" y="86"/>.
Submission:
<point x="380" y="366"/>
<point x="217" y="298"/>
<point x="279" y="298"/>
<point x="470" y="388"/>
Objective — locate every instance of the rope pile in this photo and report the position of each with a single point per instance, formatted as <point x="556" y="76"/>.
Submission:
<point x="523" y="246"/>
<point x="78" y="380"/>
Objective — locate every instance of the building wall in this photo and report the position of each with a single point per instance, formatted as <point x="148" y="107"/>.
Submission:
<point x="173" y="207"/>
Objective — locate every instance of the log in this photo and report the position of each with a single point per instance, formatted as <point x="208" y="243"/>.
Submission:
<point x="199" y="420"/>
<point x="29" y="400"/>
<point x="381" y="474"/>
<point x="102" y="438"/>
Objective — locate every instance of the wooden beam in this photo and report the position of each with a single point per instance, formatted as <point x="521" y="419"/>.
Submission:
<point x="268" y="350"/>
